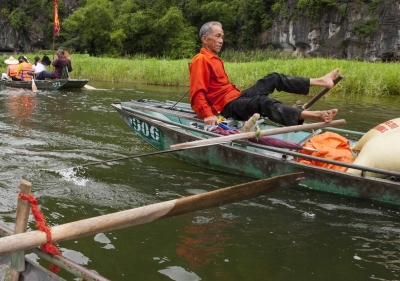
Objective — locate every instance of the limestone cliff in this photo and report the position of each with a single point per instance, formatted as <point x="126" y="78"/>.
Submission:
<point x="349" y="29"/>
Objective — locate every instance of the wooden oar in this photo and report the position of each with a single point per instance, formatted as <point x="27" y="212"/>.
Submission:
<point x="149" y="213"/>
<point x="321" y="93"/>
<point x="34" y="87"/>
<point x="248" y="135"/>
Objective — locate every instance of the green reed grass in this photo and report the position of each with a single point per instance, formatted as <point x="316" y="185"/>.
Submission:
<point x="361" y="78"/>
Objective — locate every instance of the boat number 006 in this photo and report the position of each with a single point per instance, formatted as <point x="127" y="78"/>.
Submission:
<point x="143" y="128"/>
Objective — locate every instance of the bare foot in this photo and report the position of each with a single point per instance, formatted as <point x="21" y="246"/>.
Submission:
<point x="320" y="116"/>
<point x="326" y="80"/>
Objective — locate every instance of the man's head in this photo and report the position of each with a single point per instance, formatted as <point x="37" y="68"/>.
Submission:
<point x="212" y="36"/>
<point x="60" y="53"/>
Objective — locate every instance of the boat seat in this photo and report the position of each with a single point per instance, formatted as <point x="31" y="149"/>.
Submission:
<point x="64" y="73"/>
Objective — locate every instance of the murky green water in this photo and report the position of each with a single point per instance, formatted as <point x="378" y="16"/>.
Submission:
<point x="267" y="238"/>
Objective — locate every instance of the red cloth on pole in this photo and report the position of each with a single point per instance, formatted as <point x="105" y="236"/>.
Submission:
<point x="56" y="20"/>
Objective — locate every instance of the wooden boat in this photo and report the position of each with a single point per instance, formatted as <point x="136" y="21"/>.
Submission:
<point x="55" y="84"/>
<point x="163" y="124"/>
<point x="33" y="271"/>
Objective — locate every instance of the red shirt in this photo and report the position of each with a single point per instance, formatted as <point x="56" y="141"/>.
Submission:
<point x="210" y="89"/>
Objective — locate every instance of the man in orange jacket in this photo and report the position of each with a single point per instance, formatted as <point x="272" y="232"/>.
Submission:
<point x="212" y="94"/>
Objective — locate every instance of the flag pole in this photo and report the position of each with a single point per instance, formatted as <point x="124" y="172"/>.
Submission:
<point x="56" y="24"/>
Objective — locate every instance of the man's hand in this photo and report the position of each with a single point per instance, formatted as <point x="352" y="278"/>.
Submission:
<point x="211" y="120"/>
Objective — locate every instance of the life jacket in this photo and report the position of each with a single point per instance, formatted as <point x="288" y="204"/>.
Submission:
<point x="13" y="68"/>
<point x="23" y="74"/>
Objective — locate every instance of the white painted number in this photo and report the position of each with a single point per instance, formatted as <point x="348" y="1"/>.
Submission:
<point x="143" y="129"/>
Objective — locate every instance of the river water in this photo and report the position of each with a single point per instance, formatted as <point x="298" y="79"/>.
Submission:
<point x="288" y="235"/>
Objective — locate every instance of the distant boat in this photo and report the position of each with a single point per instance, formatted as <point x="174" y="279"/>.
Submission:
<point x="54" y="84"/>
<point x="163" y="124"/>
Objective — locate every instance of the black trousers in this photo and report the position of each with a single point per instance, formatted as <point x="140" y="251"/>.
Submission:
<point x="45" y="74"/>
<point x="255" y="100"/>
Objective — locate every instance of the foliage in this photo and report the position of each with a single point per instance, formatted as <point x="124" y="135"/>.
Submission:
<point x="18" y="19"/>
<point x="364" y="29"/>
<point x="343" y="9"/>
<point x="254" y="20"/>
<point x="91" y="28"/>
<point x="315" y="8"/>
<point x="281" y="7"/>
<point x="373" y="5"/>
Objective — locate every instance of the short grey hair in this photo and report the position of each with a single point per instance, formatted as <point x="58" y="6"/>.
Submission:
<point x="207" y="27"/>
<point x="60" y="51"/>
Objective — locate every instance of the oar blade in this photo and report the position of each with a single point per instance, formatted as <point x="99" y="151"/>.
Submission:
<point x="34" y="87"/>
<point x="234" y="193"/>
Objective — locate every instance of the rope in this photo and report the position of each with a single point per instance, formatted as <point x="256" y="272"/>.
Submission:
<point x="256" y="128"/>
<point x="42" y="225"/>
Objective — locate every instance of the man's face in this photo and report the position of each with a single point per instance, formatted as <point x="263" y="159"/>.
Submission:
<point x="213" y="42"/>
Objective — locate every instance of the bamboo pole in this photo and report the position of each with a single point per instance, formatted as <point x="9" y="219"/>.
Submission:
<point x="21" y="223"/>
<point x="248" y="135"/>
<point x="68" y="265"/>
<point x="149" y="213"/>
<point x="321" y="93"/>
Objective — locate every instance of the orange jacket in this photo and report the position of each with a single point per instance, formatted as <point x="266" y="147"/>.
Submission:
<point x="210" y="89"/>
<point x="23" y="68"/>
<point x="12" y="70"/>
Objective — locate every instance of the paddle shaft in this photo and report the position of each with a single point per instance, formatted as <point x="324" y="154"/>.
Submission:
<point x="128" y="157"/>
<point x="145" y="214"/>
<point x="248" y="135"/>
<point x="321" y="93"/>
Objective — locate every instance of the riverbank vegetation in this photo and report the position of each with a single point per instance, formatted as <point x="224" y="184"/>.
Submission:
<point x="361" y="78"/>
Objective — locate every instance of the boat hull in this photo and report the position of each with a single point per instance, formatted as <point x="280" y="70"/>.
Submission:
<point x="236" y="158"/>
<point x="56" y="84"/>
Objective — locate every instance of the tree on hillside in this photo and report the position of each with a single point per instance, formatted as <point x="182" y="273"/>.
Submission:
<point x="91" y="29"/>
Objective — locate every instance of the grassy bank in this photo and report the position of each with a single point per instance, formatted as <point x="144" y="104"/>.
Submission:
<point x="361" y="78"/>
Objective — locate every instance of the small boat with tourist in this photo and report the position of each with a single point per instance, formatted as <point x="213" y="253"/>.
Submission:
<point x="51" y="84"/>
<point x="172" y="126"/>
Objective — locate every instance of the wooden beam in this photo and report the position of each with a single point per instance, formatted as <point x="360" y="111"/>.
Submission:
<point x="145" y="214"/>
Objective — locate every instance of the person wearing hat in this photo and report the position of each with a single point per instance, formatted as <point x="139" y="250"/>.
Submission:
<point x="23" y="68"/>
<point x="12" y="68"/>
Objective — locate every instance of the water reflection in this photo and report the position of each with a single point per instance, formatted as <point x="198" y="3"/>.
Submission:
<point x="203" y="238"/>
<point x="21" y="106"/>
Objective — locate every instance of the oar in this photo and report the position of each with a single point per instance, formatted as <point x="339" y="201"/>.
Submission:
<point x="126" y="157"/>
<point x="89" y="87"/>
<point x="149" y="213"/>
<point x="321" y="93"/>
<point x="248" y="135"/>
<point x="34" y="87"/>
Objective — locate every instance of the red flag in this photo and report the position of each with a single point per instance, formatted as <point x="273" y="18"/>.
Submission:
<point x="56" y="21"/>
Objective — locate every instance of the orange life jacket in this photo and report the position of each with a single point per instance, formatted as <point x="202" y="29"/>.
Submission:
<point x="12" y="71"/>
<point x="23" y="75"/>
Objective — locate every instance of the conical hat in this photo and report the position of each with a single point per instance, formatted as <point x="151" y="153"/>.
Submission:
<point x="11" y="60"/>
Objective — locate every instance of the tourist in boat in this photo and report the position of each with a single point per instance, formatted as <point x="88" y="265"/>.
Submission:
<point x="212" y="94"/>
<point x="37" y="67"/>
<point x="12" y="68"/>
<point x="24" y="67"/>
<point x="61" y="62"/>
